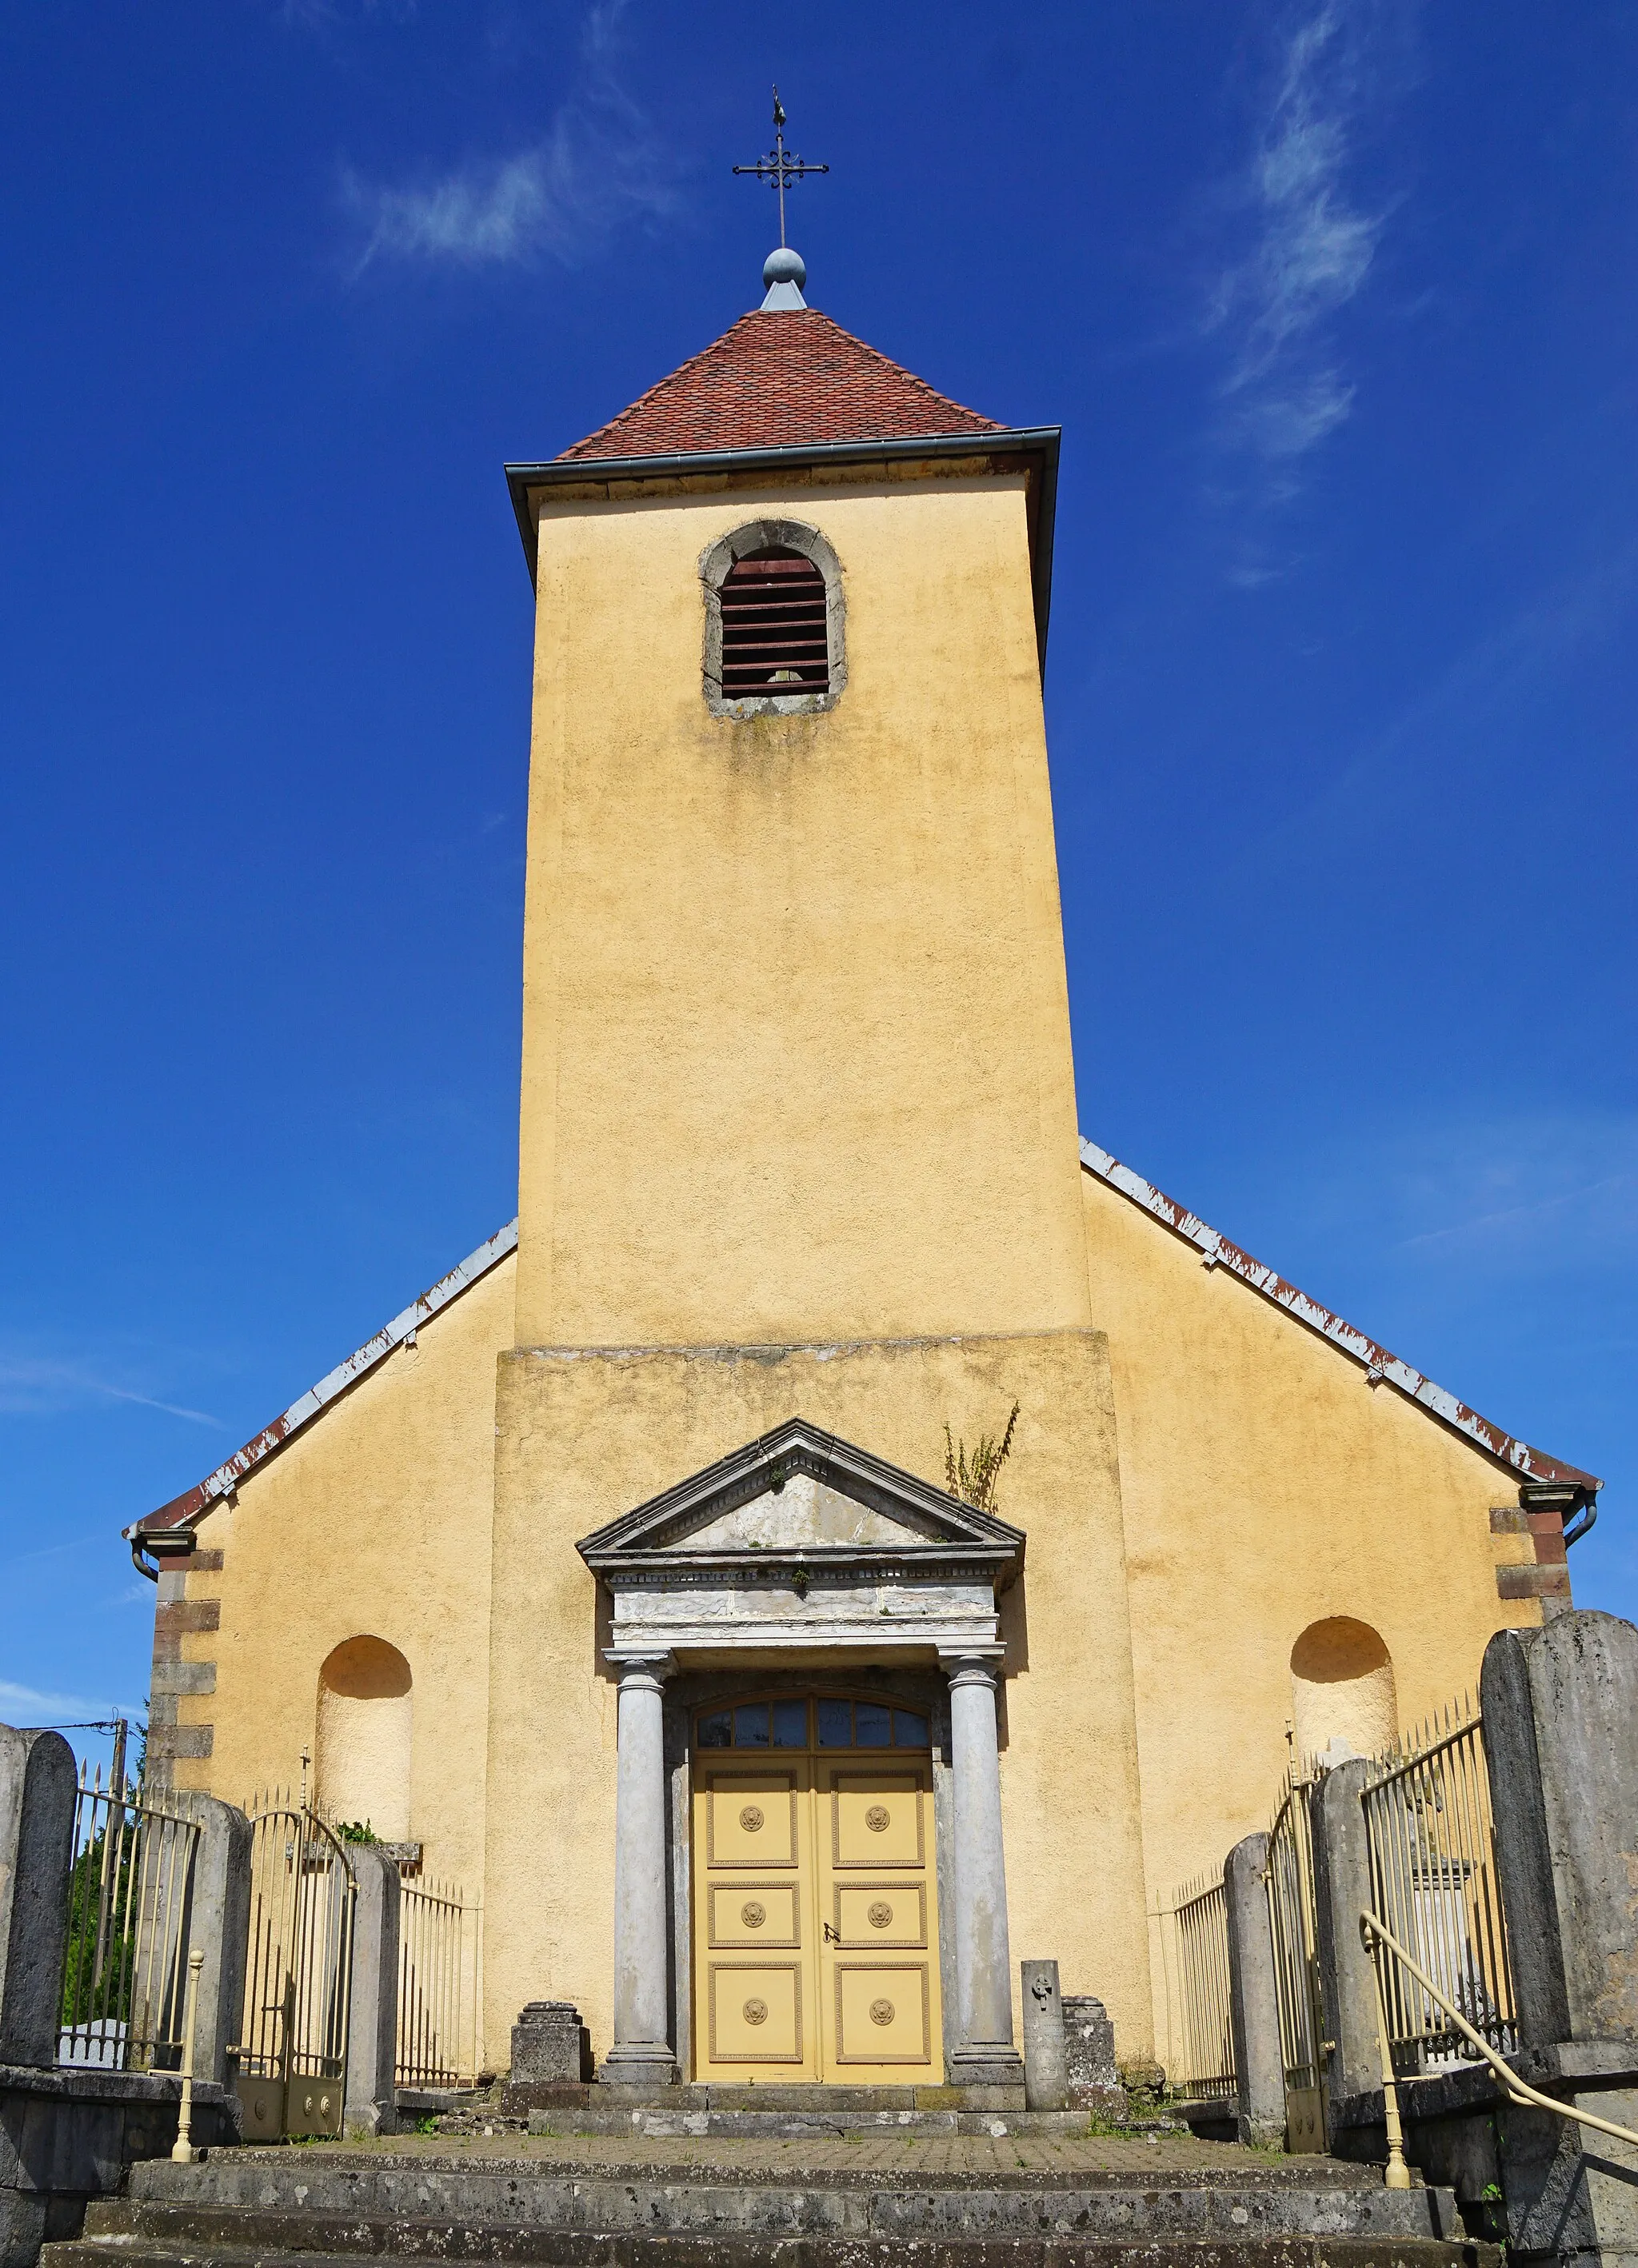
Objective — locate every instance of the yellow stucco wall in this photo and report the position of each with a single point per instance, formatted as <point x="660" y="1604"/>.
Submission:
<point x="373" y="1520"/>
<point x="584" y="1437"/>
<point x="796" y="1057"/>
<point x="1266" y="1487"/>
<point x="798" y="1135"/>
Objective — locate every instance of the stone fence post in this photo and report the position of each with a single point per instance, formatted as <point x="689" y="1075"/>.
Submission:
<point x="1351" y="2050"/>
<point x="1253" y="2001"/>
<point x="218" y="1924"/>
<point x="372" y="2103"/>
<point x="37" y="1795"/>
<point x="1560" y="1711"/>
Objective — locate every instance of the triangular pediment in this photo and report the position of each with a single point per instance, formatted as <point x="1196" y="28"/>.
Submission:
<point x="799" y="1494"/>
<point x="806" y="1513"/>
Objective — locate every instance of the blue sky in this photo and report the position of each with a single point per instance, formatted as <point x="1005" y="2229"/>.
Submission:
<point x="1334" y="306"/>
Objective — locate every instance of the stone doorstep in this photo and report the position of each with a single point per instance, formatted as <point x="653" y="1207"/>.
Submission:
<point x="520" y="2097"/>
<point x="663" y="2123"/>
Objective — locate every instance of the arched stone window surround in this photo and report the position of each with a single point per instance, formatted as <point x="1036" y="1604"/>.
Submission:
<point x="763" y="535"/>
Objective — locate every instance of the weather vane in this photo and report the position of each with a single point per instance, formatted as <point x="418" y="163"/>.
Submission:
<point x="780" y="166"/>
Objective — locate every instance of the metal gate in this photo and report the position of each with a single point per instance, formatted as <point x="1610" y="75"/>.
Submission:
<point x="292" y="2051"/>
<point x="1291" y="1919"/>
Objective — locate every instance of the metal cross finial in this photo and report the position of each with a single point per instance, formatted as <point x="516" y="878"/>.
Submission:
<point x="780" y="166"/>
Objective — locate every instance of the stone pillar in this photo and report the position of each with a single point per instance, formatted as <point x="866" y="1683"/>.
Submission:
<point x="1560" y="1710"/>
<point x="984" y="2054"/>
<point x="1253" y="2001"/>
<point x="641" y="2055"/>
<point x="372" y="2101"/>
<point x="218" y="1924"/>
<point x="37" y="1795"/>
<point x="1045" y="2051"/>
<point x="1348" y="1980"/>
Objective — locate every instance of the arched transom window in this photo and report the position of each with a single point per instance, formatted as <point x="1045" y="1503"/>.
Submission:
<point x="773" y="622"/>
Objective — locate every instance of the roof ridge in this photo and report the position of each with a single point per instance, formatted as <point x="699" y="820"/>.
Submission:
<point x="1381" y="1367"/>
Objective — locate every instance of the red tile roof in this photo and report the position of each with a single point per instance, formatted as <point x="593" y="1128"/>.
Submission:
<point x="777" y="381"/>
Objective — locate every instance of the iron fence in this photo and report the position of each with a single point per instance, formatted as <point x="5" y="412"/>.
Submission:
<point x="439" y="1986"/>
<point x="1197" y="1925"/>
<point x="125" y="1964"/>
<point x="1294" y="1924"/>
<point x="1434" y="1882"/>
<point x="292" y="2041"/>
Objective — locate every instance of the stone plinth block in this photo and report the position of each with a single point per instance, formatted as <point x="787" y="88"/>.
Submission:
<point x="1092" y="2081"/>
<point x="550" y="2046"/>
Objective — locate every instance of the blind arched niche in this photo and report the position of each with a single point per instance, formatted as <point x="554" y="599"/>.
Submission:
<point x="361" y="1754"/>
<point x="1342" y="1688"/>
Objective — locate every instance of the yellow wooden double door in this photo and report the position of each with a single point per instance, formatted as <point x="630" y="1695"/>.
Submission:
<point x="815" y="1916"/>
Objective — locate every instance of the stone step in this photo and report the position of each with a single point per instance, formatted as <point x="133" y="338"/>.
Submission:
<point x="299" y="2201"/>
<point x="393" y="2178"/>
<point x="573" y="2248"/>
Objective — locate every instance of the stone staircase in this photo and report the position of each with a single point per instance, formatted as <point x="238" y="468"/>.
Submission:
<point x="872" y="2196"/>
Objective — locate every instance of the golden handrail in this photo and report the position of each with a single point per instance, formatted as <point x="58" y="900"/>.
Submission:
<point x="1376" y="1933"/>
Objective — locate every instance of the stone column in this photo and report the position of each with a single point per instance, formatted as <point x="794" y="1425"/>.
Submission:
<point x="372" y="2101"/>
<point x="37" y="1796"/>
<point x="1347" y="1977"/>
<point x="218" y="1924"/>
<point x="1253" y="2001"/>
<point x="984" y="2054"/>
<point x="641" y="2055"/>
<point x="1560" y="1710"/>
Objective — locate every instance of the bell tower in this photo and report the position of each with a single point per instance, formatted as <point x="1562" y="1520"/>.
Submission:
<point x="798" y="1134"/>
<point x="796" y="1044"/>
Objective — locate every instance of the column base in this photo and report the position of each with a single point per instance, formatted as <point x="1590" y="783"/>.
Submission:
<point x="987" y="2063"/>
<point x="646" y="2063"/>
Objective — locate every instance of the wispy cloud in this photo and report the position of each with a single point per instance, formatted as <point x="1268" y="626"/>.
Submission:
<point x="1522" y="1195"/>
<point x="597" y="165"/>
<point x="1313" y="242"/>
<point x="44" y="1385"/>
<point x="35" y="1707"/>
<point x="1459" y="724"/>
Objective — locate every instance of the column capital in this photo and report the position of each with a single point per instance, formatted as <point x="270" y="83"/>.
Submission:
<point x="973" y="1669"/>
<point x="641" y="1672"/>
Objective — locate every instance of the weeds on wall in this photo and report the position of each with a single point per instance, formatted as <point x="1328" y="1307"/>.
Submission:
<point x="973" y="1480"/>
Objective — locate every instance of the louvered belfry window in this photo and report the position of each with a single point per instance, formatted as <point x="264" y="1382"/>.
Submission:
<point x="775" y="634"/>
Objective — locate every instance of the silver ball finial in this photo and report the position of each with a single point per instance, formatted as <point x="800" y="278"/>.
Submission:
<point x="784" y="266"/>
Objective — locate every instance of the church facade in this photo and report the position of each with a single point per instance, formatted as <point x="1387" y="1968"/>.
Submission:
<point x="619" y="1572"/>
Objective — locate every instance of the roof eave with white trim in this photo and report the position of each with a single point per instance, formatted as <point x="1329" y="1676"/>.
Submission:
<point x="194" y="1502"/>
<point x="1381" y="1367"/>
